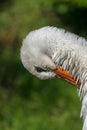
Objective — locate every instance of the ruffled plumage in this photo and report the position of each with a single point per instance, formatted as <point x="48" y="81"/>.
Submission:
<point x="65" y="49"/>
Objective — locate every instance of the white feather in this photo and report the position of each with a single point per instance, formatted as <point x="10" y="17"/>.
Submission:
<point x="48" y="47"/>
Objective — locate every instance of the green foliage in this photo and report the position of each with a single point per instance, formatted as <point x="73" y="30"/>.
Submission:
<point x="25" y="101"/>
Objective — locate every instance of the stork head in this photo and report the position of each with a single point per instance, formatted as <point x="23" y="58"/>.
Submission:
<point x="35" y="58"/>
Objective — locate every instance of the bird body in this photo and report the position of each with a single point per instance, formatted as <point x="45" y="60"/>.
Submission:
<point x="46" y="48"/>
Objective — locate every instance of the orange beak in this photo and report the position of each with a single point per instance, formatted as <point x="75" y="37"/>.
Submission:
<point x="64" y="74"/>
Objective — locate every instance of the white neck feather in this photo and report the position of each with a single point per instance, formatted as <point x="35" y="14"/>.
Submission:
<point x="69" y="51"/>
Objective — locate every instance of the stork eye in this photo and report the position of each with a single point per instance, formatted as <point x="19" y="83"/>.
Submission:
<point x="39" y="69"/>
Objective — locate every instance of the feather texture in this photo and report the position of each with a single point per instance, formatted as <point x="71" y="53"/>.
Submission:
<point x="48" y="47"/>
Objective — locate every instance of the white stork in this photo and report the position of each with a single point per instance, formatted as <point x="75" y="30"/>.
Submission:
<point x="46" y="49"/>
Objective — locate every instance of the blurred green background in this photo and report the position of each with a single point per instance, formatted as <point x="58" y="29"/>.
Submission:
<point x="27" y="103"/>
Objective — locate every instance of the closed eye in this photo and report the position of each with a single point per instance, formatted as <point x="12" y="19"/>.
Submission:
<point x="39" y="69"/>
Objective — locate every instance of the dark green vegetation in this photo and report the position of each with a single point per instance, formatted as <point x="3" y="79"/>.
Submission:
<point x="27" y="103"/>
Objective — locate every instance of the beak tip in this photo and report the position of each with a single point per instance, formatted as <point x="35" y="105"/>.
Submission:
<point x="65" y="75"/>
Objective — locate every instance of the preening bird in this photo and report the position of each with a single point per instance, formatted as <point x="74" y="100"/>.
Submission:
<point x="50" y="52"/>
